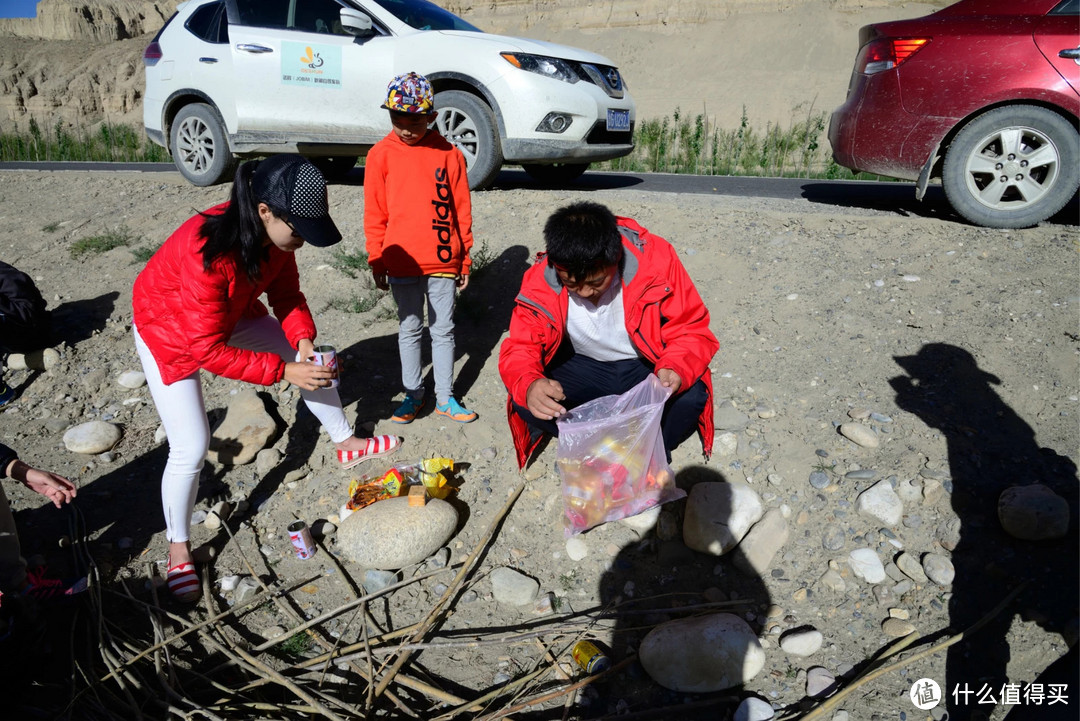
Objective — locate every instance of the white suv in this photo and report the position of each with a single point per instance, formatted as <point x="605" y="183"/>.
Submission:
<point x="229" y="78"/>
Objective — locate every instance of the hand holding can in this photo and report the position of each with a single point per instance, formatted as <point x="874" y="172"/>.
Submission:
<point x="326" y="355"/>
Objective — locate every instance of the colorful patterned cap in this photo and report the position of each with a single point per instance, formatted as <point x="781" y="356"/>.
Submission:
<point x="410" y="93"/>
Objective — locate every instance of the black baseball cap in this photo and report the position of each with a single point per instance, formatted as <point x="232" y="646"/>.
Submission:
<point x="291" y="185"/>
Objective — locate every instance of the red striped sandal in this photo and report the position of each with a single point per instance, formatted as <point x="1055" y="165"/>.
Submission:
<point x="183" y="582"/>
<point x="377" y="446"/>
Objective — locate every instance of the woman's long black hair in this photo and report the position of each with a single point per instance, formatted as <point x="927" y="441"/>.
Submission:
<point x="239" y="229"/>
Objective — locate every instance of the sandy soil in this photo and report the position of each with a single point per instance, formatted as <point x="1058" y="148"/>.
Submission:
<point x="963" y="340"/>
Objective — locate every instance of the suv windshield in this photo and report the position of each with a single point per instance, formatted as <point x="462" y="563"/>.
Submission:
<point x="423" y="15"/>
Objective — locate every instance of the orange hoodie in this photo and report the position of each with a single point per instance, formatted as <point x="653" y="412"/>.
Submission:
<point x="417" y="211"/>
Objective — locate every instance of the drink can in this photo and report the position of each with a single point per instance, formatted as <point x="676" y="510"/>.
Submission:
<point x="589" y="657"/>
<point x="325" y="355"/>
<point x="300" y="536"/>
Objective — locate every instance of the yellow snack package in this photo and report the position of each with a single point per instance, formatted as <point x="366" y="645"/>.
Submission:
<point x="433" y="476"/>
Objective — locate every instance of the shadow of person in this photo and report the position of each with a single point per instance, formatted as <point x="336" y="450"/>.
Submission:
<point x="991" y="448"/>
<point x="77" y="320"/>
<point x="658" y="579"/>
<point x="483" y="312"/>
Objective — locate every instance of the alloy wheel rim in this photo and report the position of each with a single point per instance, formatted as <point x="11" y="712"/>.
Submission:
<point x="1012" y="168"/>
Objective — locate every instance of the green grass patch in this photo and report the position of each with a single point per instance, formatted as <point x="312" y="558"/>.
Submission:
<point x="296" y="645"/>
<point x="353" y="263"/>
<point x="358" y="303"/>
<point x="107" y="142"/>
<point x="51" y="227"/>
<point x="96" y="244"/>
<point x="142" y="254"/>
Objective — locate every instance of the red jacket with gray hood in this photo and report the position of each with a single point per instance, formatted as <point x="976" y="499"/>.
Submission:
<point x="667" y="321"/>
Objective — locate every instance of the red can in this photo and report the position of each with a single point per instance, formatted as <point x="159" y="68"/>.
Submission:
<point x="300" y="536"/>
<point x="326" y="355"/>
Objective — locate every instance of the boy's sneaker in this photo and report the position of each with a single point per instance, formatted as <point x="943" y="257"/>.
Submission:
<point x="7" y="393"/>
<point x="45" y="590"/>
<point x="406" y="412"/>
<point x="455" y="411"/>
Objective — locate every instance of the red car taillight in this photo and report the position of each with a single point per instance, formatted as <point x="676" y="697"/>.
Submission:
<point x="151" y="55"/>
<point x="887" y="53"/>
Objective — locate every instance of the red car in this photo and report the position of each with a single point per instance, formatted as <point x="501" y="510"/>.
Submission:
<point x="983" y="95"/>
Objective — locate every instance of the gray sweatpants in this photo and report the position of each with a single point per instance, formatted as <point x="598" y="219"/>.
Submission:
<point x="440" y="294"/>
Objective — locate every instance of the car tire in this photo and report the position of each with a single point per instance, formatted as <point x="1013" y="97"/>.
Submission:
<point x="199" y="145"/>
<point x="555" y="174"/>
<point x="466" y="121"/>
<point x="335" y="168"/>
<point x="1012" y="167"/>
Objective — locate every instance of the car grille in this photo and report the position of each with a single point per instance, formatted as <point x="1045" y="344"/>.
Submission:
<point x="600" y="135"/>
<point x="604" y="76"/>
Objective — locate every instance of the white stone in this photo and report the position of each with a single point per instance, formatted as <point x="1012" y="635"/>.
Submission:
<point x="702" y="654"/>
<point x="91" y="438"/>
<point x="642" y="522"/>
<point x="756" y="551"/>
<point x="38" y="360"/>
<point x="859" y="434"/>
<point x="576" y="548"/>
<point x="132" y="379"/>
<point x="880" y="502"/>
<point x="245" y="430"/>
<point x="866" y="565"/>
<point x="718" y="516"/>
<point x="726" y="444"/>
<point x="911" y="567"/>
<point x="754" y="709"/>
<point x="938" y="569"/>
<point x="513" y="587"/>
<point x="391" y="534"/>
<point x="267" y="460"/>
<point x="802" y="642"/>
<point x="159" y="435"/>
<point x="818" y="681"/>
<point x="1033" y="513"/>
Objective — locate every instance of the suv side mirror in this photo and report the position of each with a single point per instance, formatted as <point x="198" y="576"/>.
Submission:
<point x="356" y="23"/>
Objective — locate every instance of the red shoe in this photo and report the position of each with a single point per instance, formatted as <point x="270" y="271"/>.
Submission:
<point x="46" y="590"/>
<point x="183" y="582"/>
<point x="377" y="446"/>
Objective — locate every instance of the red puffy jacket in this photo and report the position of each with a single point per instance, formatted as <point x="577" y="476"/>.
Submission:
<point x="185" y="314"/>
<point x="667" y="321"/>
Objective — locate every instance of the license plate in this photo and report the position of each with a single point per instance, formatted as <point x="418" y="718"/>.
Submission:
<point x="618" y="120"/>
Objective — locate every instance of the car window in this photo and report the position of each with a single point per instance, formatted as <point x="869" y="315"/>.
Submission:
<point x="312" y="16"/>
<point x="207" y="23"/>
<point x="423" y="15"/>
<point x="1069" y="7"/>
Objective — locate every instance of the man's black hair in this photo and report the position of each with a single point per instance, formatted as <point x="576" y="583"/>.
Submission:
<point x="581" y="239"/>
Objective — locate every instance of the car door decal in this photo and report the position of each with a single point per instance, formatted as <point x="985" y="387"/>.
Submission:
<point x="311" y="64"/>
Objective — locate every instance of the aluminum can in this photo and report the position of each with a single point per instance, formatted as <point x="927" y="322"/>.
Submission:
<point x="300" y="537"/>
<point x="589" y="657"/>
<point x="326" y="355"/>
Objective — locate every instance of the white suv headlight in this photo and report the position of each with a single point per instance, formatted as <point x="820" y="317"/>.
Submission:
<point x="542" y="65"/>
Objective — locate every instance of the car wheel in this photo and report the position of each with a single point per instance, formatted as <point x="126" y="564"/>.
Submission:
<point x="335" y="168"/>
<point x="199" y="146"/>
<point x="468" y="123"/>
<point x="556" y="173"/>
<point x="1012" y="167"/>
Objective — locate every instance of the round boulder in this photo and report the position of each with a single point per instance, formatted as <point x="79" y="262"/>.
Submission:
<point x="391" y="534"/>
<point x="91" y="438"/>
<point x="702" y="654"/>
<point x="1033" y="513"/>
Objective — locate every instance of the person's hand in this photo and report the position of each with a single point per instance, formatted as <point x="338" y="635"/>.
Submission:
<point x="463" y="282"/>
<point x="542" y="399"/>
<point x="56" y="488"/>
<point x="306" y="348"/>
<point x="380" y="280"/>
<point x="669" y="379"/>
<point x="308" y="376"/>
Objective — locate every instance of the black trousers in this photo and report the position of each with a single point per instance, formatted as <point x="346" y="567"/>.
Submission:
<point x="584" y="379"/>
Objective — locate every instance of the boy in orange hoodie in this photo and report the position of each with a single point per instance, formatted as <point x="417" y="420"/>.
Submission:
<point x="418" y="225"/>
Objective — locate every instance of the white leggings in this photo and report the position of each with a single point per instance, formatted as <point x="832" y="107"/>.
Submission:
<point x="183" y="413"/>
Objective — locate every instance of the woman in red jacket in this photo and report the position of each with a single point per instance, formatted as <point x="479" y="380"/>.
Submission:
<point x="196" y="306"/>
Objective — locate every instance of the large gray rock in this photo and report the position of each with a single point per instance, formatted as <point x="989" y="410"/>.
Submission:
<point x="730" y="418"/>
<point x="718" y="515"/>
<point x="246" y="429"/>
<point x="860" y="434"/>
<point x="513" y="587"/>
<point x="1033" y="513"/>
<point x="91" y="438"/>
<point x="756" y="551"/>
<point x="702" y="654"/>
<point x="392" y="534"/>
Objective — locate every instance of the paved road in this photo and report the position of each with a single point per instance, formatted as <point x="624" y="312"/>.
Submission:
<point x="891" y="197"/>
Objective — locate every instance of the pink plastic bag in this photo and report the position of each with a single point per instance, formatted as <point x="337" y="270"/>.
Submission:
<point x="611" y="457"/>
